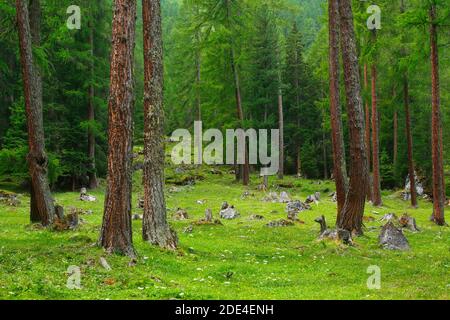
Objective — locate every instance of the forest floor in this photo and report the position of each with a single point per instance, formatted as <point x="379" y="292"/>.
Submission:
<point x="241" y="259"/>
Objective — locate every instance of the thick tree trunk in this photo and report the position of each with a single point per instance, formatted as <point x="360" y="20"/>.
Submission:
<point x="436" y="124"/>
<point x="352" y="214"/>
<point x="376" y="199"/>
<point x="412" y="178"/>
<point x="42" y="208"/>
<point x="367" y="136"/>
<point x="281" y="128"/>
<point x="156" y="229"/>
<point x="93" y="183"/>
<point x="337" y="136"/>
<point x="116" y="233"/>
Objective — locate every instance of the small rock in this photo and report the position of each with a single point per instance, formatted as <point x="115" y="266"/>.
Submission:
<point x="189" y="229"/>
<point x="229" y="213"/>
<point x="408" y="222"/>
<point x="284" y="197"/>
<point x="296" y="207"/>
<point x="181" y="214"/>
<point x="280" y="223"/>
<point x="392" y="238"/>
<point x="105" y="264"/>
<point x="138" y="217"/>
<point x="256" y="217"/>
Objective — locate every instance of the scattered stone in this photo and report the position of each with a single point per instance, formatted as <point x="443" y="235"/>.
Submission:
<point x="406" y="194"/>
<point x="280" y="223"/>
<point x="181" y="214"/>
<point x="315" y="198"/>
<point x="105" y="264"/>
<point x="140" y="203"/>
<point x="333" y="196"/>
<point x="296" y="207"/>
<point x="189" y="229"/>
<point x="392" y="238"/>
<point x="137" y="217"/>
<point x="228" y="212"/>
<point x="201" y="202"/>
<point x="9" y="198"/>
<point x="247" y="194"/>
<point x="408" y="222"/>
<point x="84" y="196"/>
<point x="208" y="215"/>
<point x="284" y="197"/>
<point x="333" y="234"/>
<point x="271" y="197"/>
<point x="66" y="222"/>
<point x="256" y="217"/>
<point x="389" y="217"/>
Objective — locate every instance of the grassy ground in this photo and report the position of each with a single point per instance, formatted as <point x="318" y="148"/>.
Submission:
<point x="243" y="259"/>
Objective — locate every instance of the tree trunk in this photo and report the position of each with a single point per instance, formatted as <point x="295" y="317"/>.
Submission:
<point x="299" y="161"/>
<point x="244" y="170"/>
<point x="352" y="214"/>
<point x="436" y="124"/>
<point x="198" y="78"/>
<point x="337" y="136"/>
<point x="395" y="138"/>
<point x="156" y="229"/>
<point x="93" y="183"/>
<point x="367" y="137"/>
<point x="376" y="199"/>
<point x="116" y="233"/>
<point x="412" y="178"/>
<point x="281" y="128"/>
<point x="42" y="208"/>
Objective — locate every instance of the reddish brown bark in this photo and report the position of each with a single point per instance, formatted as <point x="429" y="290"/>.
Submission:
<point x="376" y="191"/>
<point x="337" y="136"/>
<point x="353" y="211"/>
<point x="437" y="148"/>
<point x="116" y="233"/>
<point x="412" y="179"/>
<point x="156" y="229"/>
<point x="41" y="208"/>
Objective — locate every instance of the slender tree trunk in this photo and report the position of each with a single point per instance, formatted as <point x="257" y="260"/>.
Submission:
<point x="198" y="78"/>
<point x="337" y="136"/>
<point x="353" y="211"/>
<point x="375" y="141"/>
<point x="411" y="171"/>
<point x="156" y="229"/>
<point x="42" y="208"/>
<point x="395" y="138"/>
<point x="93" y="183"/>
<point x="281" y="128"/>
<point x="116" y="233"/>
<point x="244" y="170"/>
<point x="299" y="161"/>
<point x="437" y="147"/>
<point x="367" y="136"/>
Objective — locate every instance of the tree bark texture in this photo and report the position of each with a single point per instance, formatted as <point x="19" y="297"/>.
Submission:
<point x="116" y="233"/>
<point x="337" y="136"/>
<point x="156" y="229"/>
<point x="41" y="208"/>
<point x="352" y="214"/>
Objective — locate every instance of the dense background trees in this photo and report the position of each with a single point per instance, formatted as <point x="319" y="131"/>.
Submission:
<point x="265" y="40"/>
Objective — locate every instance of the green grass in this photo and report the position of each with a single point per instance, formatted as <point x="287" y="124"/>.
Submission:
<point x="277" y="263"/>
